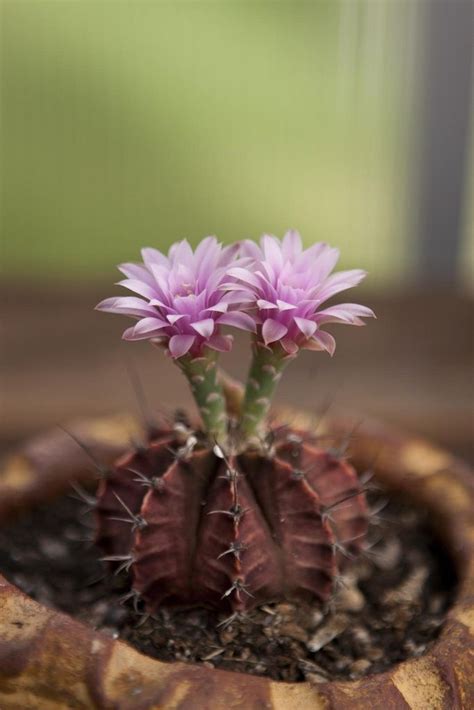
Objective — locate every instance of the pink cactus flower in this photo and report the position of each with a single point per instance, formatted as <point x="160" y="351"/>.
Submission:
<point x="286" y="286"/>
<point x="180" y="301"/>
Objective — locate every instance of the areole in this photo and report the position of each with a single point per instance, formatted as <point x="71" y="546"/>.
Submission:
<point x="48" y="660"/>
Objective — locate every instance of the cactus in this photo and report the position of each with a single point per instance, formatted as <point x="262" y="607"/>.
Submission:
<point x="232" y="514"/>
<point x="193" y="527"/>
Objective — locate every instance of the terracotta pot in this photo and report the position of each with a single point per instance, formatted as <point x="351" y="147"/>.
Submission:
<point x="50" y="661"/>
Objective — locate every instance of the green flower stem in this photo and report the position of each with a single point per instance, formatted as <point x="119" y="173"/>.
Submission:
<point x="201" y="373"/>
<point x="265" y="372"/>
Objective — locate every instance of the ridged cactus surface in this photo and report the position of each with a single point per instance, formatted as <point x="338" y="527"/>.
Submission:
<point x="193" y="526"/>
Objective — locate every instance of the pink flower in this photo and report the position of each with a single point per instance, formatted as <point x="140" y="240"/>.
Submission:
<point x="180" y="301"/>
<point x="286" y="287"/>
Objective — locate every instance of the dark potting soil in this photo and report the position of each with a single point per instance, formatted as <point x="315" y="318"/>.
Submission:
<point x="389" y="605"/>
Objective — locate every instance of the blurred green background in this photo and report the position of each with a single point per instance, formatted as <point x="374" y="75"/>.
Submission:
<point x="138" y="123"/>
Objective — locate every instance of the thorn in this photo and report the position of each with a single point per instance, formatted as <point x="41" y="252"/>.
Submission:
<point x="126" y="560"/>
<point x="378" y="507"/>
<point x="94" y="580"/>
<point x="138" y="522"/>
<point x="326" y="509"/>
<point x="235" y="548"/>
<point x="197" y="379"/>
<point x="231" y="474"/>
<point x="374" y="513"/>
<point x="184" y="452"/>
<point x="140" y="396"/>
<point x="236" y="512"/>
<point x="140" y="448"/>
<point x="297" y="475"/>
<point x="226" y="622"/>
<point x="134" y="596"/>
<point x="156" y="482"/>
<point x="143" y="620"/>
<point x="254" y="383"/>
<point x="101" y="469"/>
<point x="340" y="450"/>
<point x="237" y="586"/>
<point x="84" y="497"/>
<point x="339" y="547"/>
<point x="339" y="582"/>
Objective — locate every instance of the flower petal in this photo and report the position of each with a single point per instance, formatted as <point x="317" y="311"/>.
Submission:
<point x="244" y="275"/>
<point x="307" y="327"/>
<point x="221" y="343"/>
<point x="322" y="341"/>
<point x="179" y="345"/>
<point x="204" y="327"/>
<point x="139" y="287"/>
<point x="289" y="345"/>
<point x="174" y="318"/>
<point x="284" y="306"/>
<point x="266" y="305"/>
<point x="272" y="330"/>
<point x="291" y="245"/>
<point x="238" y="320"/>
<point x="126" y="305"/>
<point x="147" y="325"/>
<point x="340" y="281"/>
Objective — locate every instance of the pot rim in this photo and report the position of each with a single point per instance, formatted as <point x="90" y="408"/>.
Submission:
<point x="41" y="649"/>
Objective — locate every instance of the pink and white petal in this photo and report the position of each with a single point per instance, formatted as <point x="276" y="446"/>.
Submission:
<point x="238" y="320"/>
<point x="153" y="256"/>
<point x="284" y="306"/>
<point x="220" y="307"/>
<point x="272" y="330"/>
<point x="307" y="327"/>
<point x="244" y="275"/>
<point x="326" y="262"/>
<point x="221" y="343"/>
<point x="272" y="250"/>
<point x="238" y="296"/>
<point x="132" y="334"/>
<point x="174" y="317"/>
<point x="340" y="281"/>
<point x="229" y="254"/>
<point x="204" y="327"/>
<point x="289" y="346"/>
<point x="356" y="310"/>
<point x="292" y="245"/>
<point x="136" y="271"/>
<point x="179" y="345"/>
<point x="249" y="249"/>
<point x="181" y="253"/>
<point x="326" y="341"/>
<point x="126" y="305"/>
<point x="148" y="325"/>
<point x="159" y="303"/>
<point x="266" y="305"/>
<point x="139" y="287"/>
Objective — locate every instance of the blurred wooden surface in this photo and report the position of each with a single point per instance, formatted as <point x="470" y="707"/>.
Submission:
<point x="412" y="367"/>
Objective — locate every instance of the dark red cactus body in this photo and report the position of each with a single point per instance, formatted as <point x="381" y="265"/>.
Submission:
<point x="195" y="529"/>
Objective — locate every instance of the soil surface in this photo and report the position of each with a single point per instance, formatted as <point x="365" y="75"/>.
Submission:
<point x="389" y="605"/>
